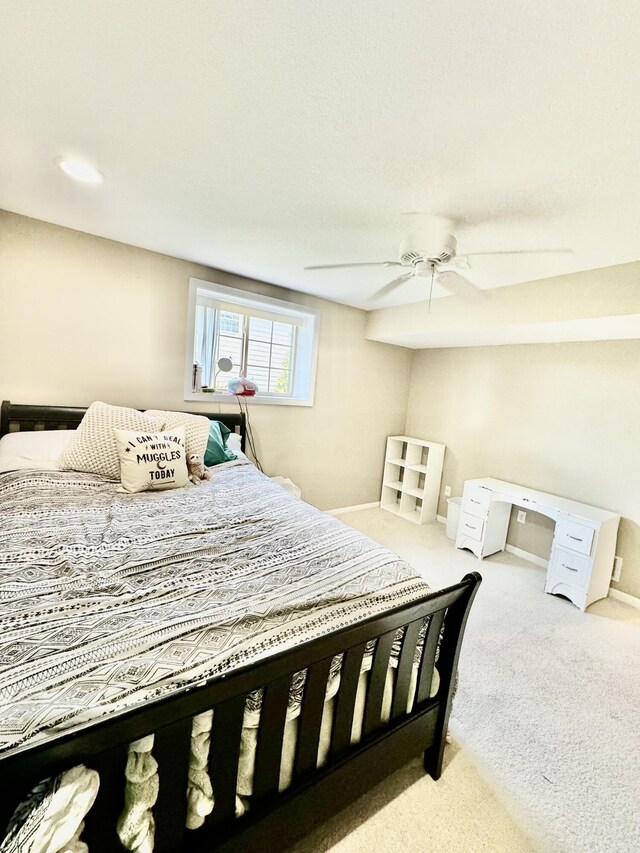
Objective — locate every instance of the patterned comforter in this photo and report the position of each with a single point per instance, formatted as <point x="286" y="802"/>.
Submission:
<point x="108" y="599"/>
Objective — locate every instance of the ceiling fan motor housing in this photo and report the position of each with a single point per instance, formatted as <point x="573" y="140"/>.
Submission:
<point x="423" y="248"/>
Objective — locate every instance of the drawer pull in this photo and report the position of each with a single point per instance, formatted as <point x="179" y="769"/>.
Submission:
<point x="571" y="569"/>
<point x="470" y="526"/>
<point x="575" y="538"/>
<point x="474" y="501"/>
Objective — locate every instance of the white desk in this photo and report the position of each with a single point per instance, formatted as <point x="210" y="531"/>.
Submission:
<point x="584" y="541"/>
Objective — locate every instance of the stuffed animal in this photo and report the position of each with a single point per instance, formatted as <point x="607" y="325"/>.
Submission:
<point x="197" y="471"/>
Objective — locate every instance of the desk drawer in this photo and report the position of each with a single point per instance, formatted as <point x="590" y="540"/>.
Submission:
<point x="570" y="568"/>
<point x="475" y="501"/>
<point x="471" y="526"/>
<point x="575" y="536"/>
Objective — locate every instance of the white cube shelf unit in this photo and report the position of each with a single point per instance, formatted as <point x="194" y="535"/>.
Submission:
<point x="411" y="479"/>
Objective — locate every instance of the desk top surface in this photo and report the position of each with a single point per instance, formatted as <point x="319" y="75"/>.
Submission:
<point x="526" y="497"/>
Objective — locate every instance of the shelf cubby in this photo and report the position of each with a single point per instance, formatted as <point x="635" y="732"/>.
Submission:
<point x="390" y="499"/>
<point x="411" y="478"/>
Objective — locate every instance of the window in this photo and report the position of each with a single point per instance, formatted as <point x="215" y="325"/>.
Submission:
<point x="271" y="341"/>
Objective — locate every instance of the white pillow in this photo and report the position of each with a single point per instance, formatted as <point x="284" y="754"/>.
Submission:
<point x="152" y="461"/>
<point x="33" y="449"/>
<point x="234" y="443"/>
<point x="196" y="427"/>
<point x="93" y="448"/>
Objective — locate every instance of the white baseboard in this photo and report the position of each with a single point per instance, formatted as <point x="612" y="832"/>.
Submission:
<point x="441" y="518"/>
<point x="518" y="552"/>
<point x="631" y="600"/>
<point x="341" y="510"/>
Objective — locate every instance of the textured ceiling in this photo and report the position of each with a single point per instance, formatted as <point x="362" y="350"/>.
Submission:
<point x="260" y="137"/>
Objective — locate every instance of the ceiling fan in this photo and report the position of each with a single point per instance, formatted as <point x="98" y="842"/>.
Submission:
<point x="431" y="250"/>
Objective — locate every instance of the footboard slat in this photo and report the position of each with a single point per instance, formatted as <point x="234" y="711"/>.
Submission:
<point x="311" y="717"/>
<point x="343" y="720"/>
<point x="377" y="682"/>
<point x="100" y="832"/>
<point x="405" y="668"/>
<point x="270" y="735"/>
<point x="224" y="755"/>
<point x="171" y="750"/>
<point x="429" y="656"/>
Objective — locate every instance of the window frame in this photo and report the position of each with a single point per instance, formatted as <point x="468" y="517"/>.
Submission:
<point x="304" y="350"/>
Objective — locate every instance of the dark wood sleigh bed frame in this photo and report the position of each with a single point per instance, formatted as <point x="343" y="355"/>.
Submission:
<point x="275" y="819"/>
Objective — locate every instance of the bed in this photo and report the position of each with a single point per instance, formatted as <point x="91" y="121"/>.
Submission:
<point x="212" y="603"/>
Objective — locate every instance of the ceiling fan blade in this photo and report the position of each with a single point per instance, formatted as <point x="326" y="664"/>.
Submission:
<point x="460" y="262"/>
<point x="458" y="284"/>
<point x="346" y="266"/>
<point x="521" y="252"/>
<point x="389" y="288"/>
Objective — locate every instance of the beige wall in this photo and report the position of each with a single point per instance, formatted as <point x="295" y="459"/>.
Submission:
<point x="562" y="418"/>
<point x="83" y="318"/>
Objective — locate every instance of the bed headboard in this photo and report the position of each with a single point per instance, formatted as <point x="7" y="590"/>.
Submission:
<point x="15" y="418"/>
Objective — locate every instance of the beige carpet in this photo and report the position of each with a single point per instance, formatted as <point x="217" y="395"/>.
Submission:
<point x="546" y="723"/>
<point x="410" y="812"/>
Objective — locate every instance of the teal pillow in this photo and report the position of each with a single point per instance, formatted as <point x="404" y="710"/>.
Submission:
<point x="217" y="450"/>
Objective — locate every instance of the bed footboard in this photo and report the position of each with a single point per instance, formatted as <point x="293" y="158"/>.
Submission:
<point x="275" y="819"/>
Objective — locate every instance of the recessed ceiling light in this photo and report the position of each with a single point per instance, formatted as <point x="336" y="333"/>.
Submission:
<point x="80" y="170"/>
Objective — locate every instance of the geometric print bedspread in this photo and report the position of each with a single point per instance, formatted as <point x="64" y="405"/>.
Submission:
<point x="108" y="600"/>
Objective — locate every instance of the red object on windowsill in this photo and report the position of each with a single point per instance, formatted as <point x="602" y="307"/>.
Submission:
<point x="242" y="387"/>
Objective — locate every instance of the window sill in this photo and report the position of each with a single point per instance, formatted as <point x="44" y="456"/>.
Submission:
<point x="231" y="399"/>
